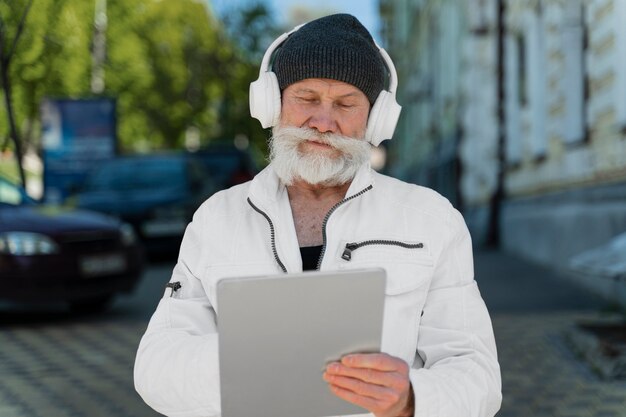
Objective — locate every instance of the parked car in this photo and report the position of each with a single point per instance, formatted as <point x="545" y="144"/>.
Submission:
<point x="156" y="194"/>
<point x="226" y="164"/>
<point x="50" y="253"/>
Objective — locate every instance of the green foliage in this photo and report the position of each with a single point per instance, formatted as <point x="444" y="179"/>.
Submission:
<point x="171" y="65"/>
<point x="35" y="52"/>
<point x="252" y="28"/>
<point x="159" y="58"/>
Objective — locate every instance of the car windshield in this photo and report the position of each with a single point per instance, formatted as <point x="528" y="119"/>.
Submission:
<point x="12" y="195"/>
<point x="132" y="174"/>
<point x="224" y="164"/>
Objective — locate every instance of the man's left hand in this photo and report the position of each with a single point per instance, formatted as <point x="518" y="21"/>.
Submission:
<point x="377" y="382"/>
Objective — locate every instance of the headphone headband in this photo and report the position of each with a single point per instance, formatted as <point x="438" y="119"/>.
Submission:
<point x="265" y="63"/>
<point x="265" y="96"/>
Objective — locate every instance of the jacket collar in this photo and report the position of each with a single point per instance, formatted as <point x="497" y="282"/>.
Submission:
<point x="269" y="194"/>
<point x="267" y="189"/>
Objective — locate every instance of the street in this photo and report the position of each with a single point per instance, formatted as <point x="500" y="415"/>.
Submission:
<point x="533" y="311"/>
<point x="54" y="364"/>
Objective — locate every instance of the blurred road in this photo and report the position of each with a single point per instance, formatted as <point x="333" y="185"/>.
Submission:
<point x="532" y="310"/>
<point x="55" y="364"/>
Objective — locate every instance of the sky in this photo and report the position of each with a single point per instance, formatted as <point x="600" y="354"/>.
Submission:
<point x="365" y="10"/>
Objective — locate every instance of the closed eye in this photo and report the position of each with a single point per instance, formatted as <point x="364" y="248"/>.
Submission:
<point x="346" y="106"/>
<point x="307" y="100"/>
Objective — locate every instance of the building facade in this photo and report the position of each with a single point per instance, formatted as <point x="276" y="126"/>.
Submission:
<point x="528" y="98"/>
<point x="415" y="33"/>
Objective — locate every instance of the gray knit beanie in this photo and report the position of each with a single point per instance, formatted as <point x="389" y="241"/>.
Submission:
<point x="338" y="47"/>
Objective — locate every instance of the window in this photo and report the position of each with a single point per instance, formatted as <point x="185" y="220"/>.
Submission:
<point x="520" y="68"/>
<point x="620" y="28"/>
<point x="574" y="88"/>
<point x="514" y="96"/>
<point x="537" y="83"/>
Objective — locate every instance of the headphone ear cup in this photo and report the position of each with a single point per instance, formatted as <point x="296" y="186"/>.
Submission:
<point x="383" y="118"/>
<point x="265" y="99"/>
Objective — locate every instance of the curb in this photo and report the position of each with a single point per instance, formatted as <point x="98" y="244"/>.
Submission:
<point x="606" y="359"/>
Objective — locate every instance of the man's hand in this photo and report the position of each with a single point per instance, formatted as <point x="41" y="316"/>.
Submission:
<point x="377" y="382"/>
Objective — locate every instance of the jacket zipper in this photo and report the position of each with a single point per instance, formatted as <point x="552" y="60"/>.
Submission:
<point x="347" y="253"/>
<point x="333" y="208"/>
<point x="272" y="235"/>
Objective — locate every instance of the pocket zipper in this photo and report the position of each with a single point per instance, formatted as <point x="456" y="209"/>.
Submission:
<point x="347" y="253"/>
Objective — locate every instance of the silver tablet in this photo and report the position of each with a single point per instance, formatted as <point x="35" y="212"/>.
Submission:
<point x="277" y="333"/>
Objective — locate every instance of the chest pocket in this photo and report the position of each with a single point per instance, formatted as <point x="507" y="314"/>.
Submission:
<point x="409" y="267"/>
<point x="408" y="264"/>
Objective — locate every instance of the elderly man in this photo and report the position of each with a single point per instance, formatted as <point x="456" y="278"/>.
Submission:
<point x="319" y="205"/>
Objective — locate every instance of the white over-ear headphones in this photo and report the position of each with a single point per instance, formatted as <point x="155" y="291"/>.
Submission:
<point x="265" y="97"/>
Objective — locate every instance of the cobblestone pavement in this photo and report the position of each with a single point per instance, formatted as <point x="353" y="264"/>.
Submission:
<point x="70" y="370"/>
<point x="540" y="375"/>
<point x="83" y="367"/>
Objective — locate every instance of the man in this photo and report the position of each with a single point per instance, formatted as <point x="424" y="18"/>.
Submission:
<point x="318" y="205"/>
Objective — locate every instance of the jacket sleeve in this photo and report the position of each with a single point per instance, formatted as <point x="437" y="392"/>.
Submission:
<point x="460" y="376"/>
<point x="176" y="368"/>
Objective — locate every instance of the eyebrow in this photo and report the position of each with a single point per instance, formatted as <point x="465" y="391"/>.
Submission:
<point x="310" y="91"/>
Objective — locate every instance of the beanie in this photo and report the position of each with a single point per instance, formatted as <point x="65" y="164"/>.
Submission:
<point x="337" y="47"/>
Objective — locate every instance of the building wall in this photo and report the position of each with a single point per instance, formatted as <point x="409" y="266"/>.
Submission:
<point x="560" y="86"/>
<point x="478" y="148"/>
<point x="566" y="153"/>
<point x="569" y="137"/>
<point x="445" y="52"/>
<point x="425" y="47"/>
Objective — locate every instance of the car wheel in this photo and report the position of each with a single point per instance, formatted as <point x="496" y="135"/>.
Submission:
<point x="91" y="305"/>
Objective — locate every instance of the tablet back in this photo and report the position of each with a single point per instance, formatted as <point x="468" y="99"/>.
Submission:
<point x="277" y="333"/>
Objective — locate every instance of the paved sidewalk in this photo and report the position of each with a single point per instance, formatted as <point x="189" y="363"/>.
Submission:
<point x="75" y="369"/>
<point x="532" y="308"/>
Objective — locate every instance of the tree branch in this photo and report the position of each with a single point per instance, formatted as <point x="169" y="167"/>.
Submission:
<point x="1" y="40"/>
<point x="18" y="32"/>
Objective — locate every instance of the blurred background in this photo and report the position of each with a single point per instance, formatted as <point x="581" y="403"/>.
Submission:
<point x="118" y="118"/>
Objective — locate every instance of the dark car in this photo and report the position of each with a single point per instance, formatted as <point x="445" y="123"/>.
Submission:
<point x="50" y="253"/>
<point x="156" y="194"/>
<point x="226" y="164"/>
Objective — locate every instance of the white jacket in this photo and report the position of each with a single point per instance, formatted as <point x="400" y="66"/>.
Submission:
<point x="435" y="318"/>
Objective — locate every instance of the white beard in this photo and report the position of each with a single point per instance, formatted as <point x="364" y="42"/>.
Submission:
<point x="312" y="167"/>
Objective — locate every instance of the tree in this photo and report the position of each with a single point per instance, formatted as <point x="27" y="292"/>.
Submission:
<point x="7" y="53"/>
<point x="251" y="28"/>
<point x="45" y="59"/>
<point x="159" y="60"/>
<point x="171" y="65"/>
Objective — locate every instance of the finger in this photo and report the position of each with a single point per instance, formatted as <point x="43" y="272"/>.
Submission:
<point x="354" y="398"/>
<point x="362" y="388"/>
<point x="378" y="361"/>
<point x="370" y="375"/>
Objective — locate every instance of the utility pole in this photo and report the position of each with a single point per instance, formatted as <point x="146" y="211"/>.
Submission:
<point x="495" y="212"/>
<point x="98" y="54"/>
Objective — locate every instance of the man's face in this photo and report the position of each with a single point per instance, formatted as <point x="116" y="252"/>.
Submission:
<point x="328" y="106"/>
<point x="320" y="135"/>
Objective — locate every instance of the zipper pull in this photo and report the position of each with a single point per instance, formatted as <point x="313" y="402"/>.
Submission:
<point x="347" y="252"/>
<point x="175" y="286"/>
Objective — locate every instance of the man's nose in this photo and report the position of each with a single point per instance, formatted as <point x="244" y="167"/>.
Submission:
<point x="323" y="120"/>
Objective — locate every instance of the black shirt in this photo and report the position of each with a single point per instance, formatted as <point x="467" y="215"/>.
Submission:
<point x="310" y="257"/>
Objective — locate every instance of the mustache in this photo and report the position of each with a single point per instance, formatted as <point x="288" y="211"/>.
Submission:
<point x="313" y="167"/>
<point x="327" y="138"/>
